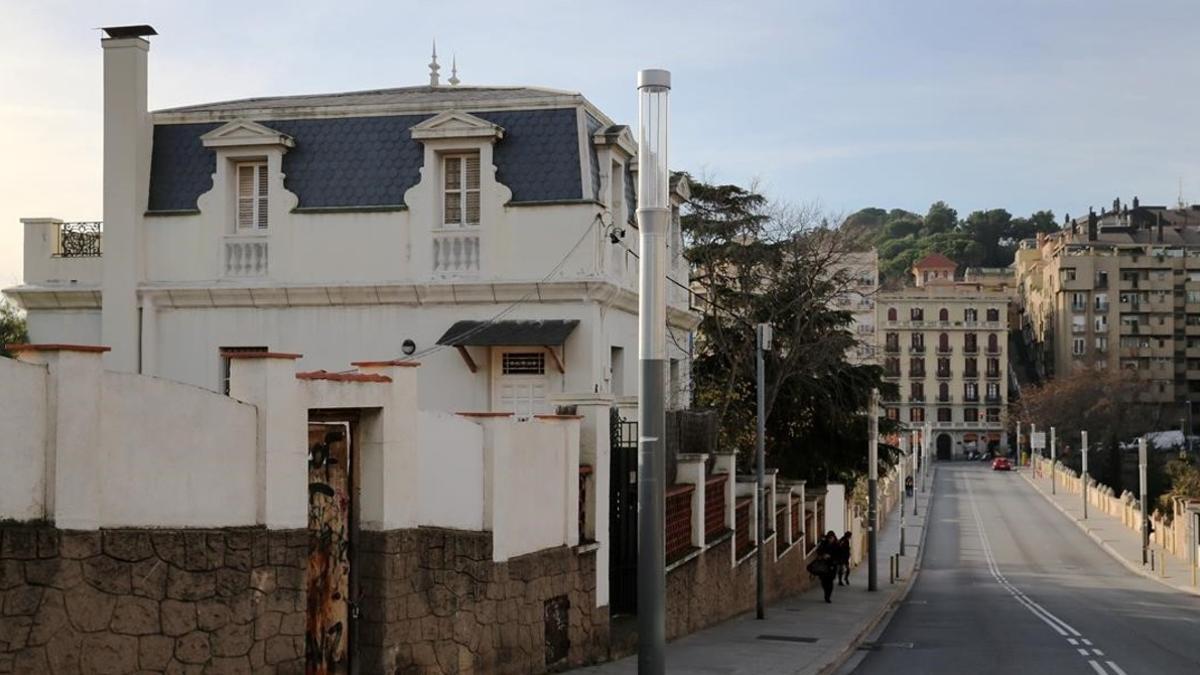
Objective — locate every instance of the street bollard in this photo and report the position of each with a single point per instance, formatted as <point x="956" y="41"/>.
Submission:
<point x="1151" y="560"/>
<point x="1162" y="564"/>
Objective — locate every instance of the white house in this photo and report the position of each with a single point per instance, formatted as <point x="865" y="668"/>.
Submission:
<point x="487" y="232"/>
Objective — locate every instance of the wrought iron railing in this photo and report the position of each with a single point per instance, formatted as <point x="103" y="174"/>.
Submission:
<point x="79" y="240"/>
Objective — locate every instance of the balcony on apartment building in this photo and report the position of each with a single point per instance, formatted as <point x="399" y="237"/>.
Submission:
<point x="971" y="349"/>
<point x="916" y="349"/>
<point x="944" y="373"/>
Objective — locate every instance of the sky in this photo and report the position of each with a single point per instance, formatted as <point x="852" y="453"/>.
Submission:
<point x="1021" y="104"/>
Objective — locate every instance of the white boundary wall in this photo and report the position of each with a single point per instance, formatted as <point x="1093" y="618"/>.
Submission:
<point x="22" y="440"/>
<point x="89" y="448"/>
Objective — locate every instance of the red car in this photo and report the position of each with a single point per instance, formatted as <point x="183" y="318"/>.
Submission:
<point x="1001" y="464"/>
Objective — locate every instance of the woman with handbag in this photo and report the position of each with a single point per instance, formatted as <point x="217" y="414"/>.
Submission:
<point x="824" y="565"/>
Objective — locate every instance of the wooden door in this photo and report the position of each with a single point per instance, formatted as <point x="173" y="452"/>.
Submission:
<point x="327" y="636"/>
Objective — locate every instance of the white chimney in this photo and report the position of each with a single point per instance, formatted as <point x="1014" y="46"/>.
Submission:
<point x="127" y="142"/>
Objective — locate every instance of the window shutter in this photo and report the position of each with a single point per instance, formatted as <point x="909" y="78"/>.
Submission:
<point x="245" y="196"/>
<point x="471" y="184"/>
<point x="261" y="219"/>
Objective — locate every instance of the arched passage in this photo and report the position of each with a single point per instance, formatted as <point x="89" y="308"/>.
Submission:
<point x="944" y="445"/>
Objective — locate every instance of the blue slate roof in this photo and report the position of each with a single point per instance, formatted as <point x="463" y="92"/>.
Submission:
<point x="371" y="161"/>
<point x="593" y="125"/>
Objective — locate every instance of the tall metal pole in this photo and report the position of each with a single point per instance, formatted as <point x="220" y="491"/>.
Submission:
<point x="1144" y="499"/>
<point x="1053" y="461"/>
<point x="1187" y="439"/>
<point x="916" y="466"/>
<point x="654" y="220"/>
<point x="1017" y="460"/>
<point x="900" y="475"/>
<point x="1032" y="433"/>
<point x="872" y="494"/>
<point x="763" y="343"/>
<point x="1083" y="475"/>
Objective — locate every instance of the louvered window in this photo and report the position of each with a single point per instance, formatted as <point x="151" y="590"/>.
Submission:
<point x="461" y="190"/>
<point x="252" y="195"/>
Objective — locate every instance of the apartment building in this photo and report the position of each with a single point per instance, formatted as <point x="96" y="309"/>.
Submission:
<point x="862" y="271"/>
<point x="1118" y="289"/>
<point x="942" y="341"/>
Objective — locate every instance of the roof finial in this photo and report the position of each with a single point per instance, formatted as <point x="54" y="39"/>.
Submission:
<point x="434" y="67"/>
<point x="454" y="71"/>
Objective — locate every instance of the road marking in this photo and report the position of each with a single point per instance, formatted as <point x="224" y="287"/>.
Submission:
<point x="1048" y="617"/>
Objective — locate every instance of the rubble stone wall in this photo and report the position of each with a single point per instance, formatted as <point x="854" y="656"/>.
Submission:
<point x="174" y="601"/>
<point x="233" y="601"/>
<point x="706" y="590"/>
<point x="434" y="602"/>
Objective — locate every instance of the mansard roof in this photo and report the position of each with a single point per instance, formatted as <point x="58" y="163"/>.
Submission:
<point x="370" y="161"/>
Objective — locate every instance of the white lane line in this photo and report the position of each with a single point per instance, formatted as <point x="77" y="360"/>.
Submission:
<point x="1060" y="626"/>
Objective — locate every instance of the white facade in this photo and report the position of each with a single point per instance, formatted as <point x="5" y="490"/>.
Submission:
<point x="251" y="266"/>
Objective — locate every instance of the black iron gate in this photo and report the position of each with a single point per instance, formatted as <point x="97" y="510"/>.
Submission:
<point x="622" y="518"/>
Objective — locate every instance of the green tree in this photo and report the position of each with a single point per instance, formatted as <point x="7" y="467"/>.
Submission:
<point x="940" y="218"/>
<point x="12" y="326"/>
<point x="988" y="228"/>
<point x="755" y="261"/>
<point x="902" y="227"/>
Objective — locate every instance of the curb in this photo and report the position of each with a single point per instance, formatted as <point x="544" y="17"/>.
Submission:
<point x="890" y="606"/>
<point x="1112" y="552"/>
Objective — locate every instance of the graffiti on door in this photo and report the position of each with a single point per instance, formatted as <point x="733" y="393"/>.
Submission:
<point x="328" y="579"/>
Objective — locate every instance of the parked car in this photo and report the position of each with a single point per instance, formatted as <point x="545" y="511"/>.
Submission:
<point x="1001" y="464"/>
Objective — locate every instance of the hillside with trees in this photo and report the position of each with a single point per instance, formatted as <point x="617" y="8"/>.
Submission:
<point x="982" y="239"/>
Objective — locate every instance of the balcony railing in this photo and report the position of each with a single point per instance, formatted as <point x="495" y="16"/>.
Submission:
<point x="944" y="373"/>
<point x="945" y="350"/>
<point x="971" y="349"/>
<point x="80" y="240"/>
<point x="456" y="251"/>
<point x="246" y="256"/>
<point x="916" y="349"/>
<point x="891" y="348"/>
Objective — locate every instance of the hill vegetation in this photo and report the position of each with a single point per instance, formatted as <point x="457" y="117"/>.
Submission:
<point x="982" y="239"/>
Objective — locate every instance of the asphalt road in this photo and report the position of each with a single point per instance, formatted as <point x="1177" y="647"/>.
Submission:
<point x="1009" y="585"/>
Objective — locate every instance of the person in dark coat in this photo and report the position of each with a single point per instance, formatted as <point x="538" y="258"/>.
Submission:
<point x="827" y="552"/>
<point x="843" y="568"/>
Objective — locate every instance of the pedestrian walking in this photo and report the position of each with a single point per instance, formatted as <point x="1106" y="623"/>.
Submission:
<point x="843" y="560"/>
<point x="824" y="565"/>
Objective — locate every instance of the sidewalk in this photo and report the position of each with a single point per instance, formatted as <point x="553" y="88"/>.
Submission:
<point x="801" y="634"/>
<point x="1113" y="536"/>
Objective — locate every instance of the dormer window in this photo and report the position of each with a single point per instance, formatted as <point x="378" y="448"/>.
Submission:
<point x="252" y="195"/>
<point x="460" y="197"/>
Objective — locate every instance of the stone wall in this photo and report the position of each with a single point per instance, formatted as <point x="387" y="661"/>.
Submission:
<point x="173" y="601"/>
<point x="704" y="590"/>
<point x="434" y="602"/>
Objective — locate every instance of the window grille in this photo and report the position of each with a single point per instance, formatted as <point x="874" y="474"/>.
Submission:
<point x="524" y="363"/>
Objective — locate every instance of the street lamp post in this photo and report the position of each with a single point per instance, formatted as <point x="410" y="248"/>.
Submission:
<point x="1053" y="461"/>
<point x="916" y="466"/>
<point x="764" y="345"/>
<point x="1145" y="501"/>
<point x="900" y="474"/>
<point x="654" y="219"/>
<point x="1083" y="475"/>
<point x="872" y="488"/>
